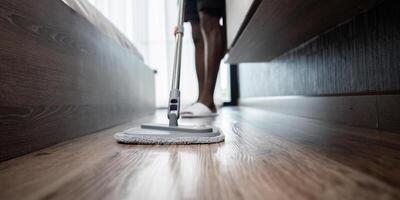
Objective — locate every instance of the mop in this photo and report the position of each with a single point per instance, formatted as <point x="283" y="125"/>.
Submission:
<point x="172" y="133"/>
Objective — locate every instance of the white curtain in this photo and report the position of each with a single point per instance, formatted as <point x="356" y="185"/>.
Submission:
<point x="149" y="25"/>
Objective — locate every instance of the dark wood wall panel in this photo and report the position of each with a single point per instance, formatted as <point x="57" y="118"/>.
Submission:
<point x="279" y="26"/>
<point x="61" y="78"/>
<point x="380" y="112"/>
<point x="359" y="57"/>
<point x="359" y="111"/>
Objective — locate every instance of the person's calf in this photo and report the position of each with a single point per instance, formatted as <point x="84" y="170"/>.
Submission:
<point x="196" y="33"/>
<point x="199" y="55"/>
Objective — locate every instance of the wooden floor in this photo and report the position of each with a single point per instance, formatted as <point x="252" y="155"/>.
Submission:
<point x="265" y="156"/>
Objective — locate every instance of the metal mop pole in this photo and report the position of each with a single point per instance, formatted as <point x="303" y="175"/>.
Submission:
<point x="174" y="95"/>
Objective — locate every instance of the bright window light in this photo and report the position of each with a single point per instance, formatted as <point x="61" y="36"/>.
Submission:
<point x="149" y="25"/>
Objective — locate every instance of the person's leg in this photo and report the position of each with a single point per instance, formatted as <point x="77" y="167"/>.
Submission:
<point x="199" y="55"/>
<point x="214" y="39"/>
<point x="192" y="16"/>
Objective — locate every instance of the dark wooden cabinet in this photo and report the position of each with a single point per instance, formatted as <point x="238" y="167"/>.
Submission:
<point x="61" y="78"/>
<point x="274" y="27"/>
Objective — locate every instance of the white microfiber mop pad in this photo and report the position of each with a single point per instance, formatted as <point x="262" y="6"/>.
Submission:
<point x="148" y="136"/>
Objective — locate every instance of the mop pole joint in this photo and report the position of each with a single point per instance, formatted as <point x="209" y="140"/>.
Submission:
<point x="180" y="30"/>
<point x="174" y="107"/>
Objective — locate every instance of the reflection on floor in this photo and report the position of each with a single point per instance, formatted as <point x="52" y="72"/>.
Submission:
<point x="265" y="155"/>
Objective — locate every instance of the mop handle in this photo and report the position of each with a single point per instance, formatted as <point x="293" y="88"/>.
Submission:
<point x="178" y="47"/>
<point x="174" y="96"/>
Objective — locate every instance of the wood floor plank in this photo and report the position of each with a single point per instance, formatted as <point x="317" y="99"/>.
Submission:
<point x="265" y="156"/>
<point x="368" y="150"/>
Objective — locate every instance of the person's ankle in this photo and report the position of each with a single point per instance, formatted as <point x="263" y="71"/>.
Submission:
<point x="209" y="104"/>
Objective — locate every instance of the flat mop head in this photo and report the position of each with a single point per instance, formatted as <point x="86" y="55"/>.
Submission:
<point x="164" y="134"/>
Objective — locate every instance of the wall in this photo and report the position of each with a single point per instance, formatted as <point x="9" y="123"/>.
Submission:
<point x="350" y="74"/>
<point x="361" y="56"/>
<point x="61" y="79"/>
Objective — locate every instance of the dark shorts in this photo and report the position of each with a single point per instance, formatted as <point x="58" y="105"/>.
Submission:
<point x="212" y="7"/>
